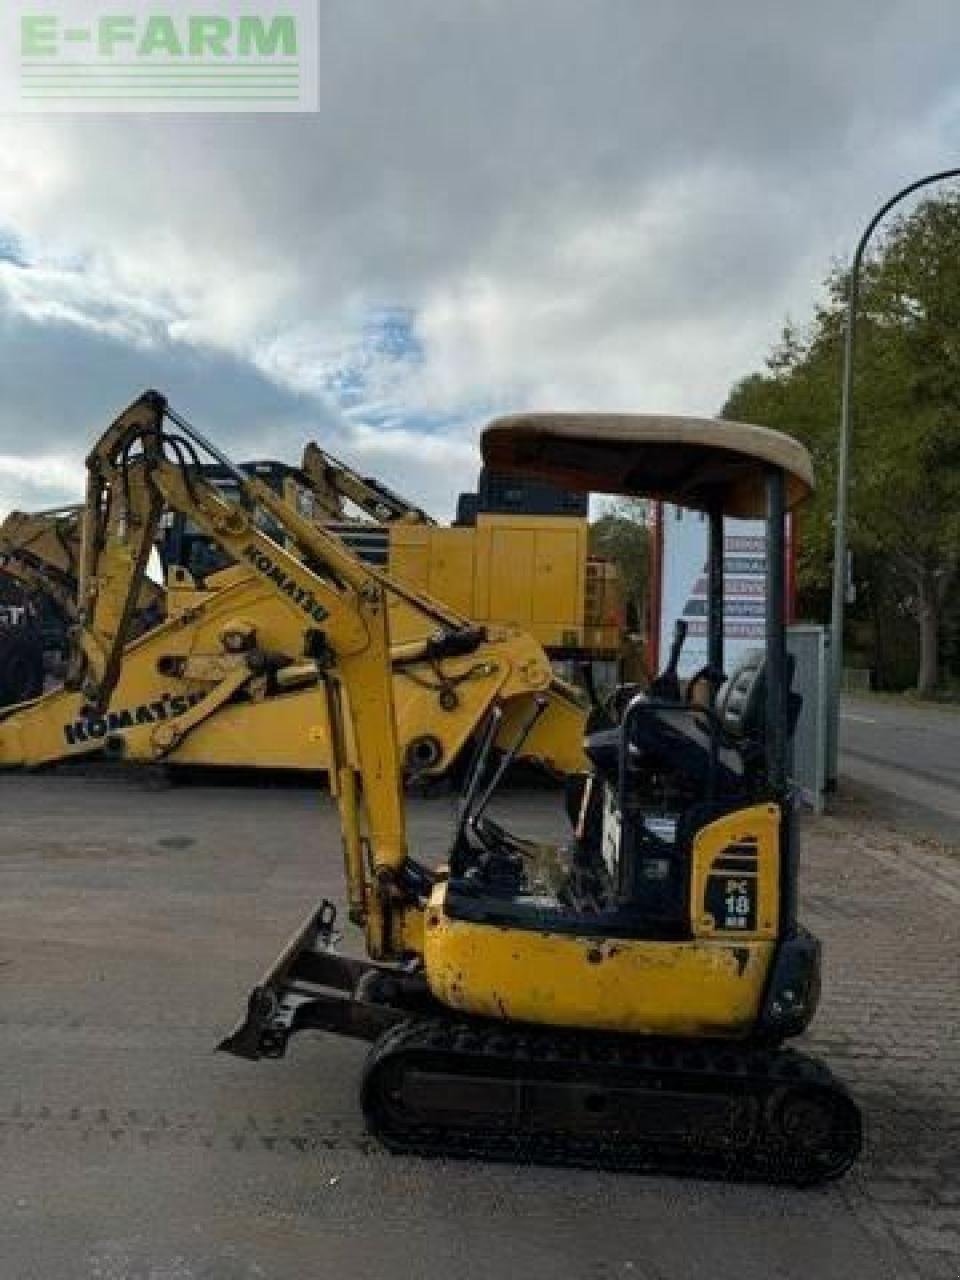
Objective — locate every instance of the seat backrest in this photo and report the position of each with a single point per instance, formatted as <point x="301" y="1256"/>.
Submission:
<point x="740" y="702"/>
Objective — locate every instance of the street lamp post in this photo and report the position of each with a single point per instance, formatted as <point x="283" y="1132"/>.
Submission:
<point x="843" y="454"/>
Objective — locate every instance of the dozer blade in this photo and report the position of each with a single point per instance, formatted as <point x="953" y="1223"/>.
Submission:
<point x="528" y="1095"/>
<point x="311" y="987"/>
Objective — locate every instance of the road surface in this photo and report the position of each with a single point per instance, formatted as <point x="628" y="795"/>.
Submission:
<point x="908" y="759"/>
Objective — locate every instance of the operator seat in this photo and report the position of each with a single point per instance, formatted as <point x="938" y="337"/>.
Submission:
<point x="679" y="740"/>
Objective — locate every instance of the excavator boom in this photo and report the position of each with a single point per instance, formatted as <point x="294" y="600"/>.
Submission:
<point x="336" y="607"/>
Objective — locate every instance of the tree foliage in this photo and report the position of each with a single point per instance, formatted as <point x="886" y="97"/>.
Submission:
<point x="905" y="461"/>
<point x="621" y="535"/>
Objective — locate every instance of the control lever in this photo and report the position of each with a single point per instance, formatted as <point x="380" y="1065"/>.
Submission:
<point x="589" y="683"/>
<point x="478" y="766"/>
<point x="667" y="684"/>
<point x="507" y="759"/>
<point x="327" y="937"/>
<point x="472" y="808"/>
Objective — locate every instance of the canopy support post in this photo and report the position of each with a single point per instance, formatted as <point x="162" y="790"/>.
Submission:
<point x="715" y="605"/>
<point x="775" y="735"/>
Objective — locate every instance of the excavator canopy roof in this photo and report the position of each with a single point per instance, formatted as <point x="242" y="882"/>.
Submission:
<point x="693" y="462"/>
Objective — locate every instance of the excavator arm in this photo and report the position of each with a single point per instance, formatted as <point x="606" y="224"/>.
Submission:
<point x="333" y="482"/>
<point x="40" y="553"/>
<point x="139" y="470"/>
<point x="120" y="523"/>
<point x="39" y="550"/>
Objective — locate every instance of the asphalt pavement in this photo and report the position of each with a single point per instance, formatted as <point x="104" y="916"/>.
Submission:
<point x="906" y="757"/>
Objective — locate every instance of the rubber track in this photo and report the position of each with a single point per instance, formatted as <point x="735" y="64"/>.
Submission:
<point x="745" y="1072"/>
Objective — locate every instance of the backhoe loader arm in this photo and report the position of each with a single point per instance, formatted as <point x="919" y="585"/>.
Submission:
<point x="334" y="481"/>
<point x="121" y="519"/>
<point x="40" y="551"/>
<point x="138" y="470"/>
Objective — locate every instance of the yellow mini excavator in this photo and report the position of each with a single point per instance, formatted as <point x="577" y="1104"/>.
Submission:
<point x="618" y="1000"/>
<point x="214" y="672"/>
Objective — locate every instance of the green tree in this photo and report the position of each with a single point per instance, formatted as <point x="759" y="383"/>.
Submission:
<point x="905" y="466"/>
<point x="621" y="535"/>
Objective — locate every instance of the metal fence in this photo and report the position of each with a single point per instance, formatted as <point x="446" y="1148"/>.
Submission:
<point x="809" y="748"/>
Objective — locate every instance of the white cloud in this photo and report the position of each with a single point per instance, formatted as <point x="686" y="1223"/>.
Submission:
<point x="82" y="296"/>
<point x="31" y="483"/>
<point x="611" y="205"/>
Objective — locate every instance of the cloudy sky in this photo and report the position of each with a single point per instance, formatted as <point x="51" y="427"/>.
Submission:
<point x="499" y="204"/>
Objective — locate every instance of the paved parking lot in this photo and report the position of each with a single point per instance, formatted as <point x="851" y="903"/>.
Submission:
<point x="133" y="920"/>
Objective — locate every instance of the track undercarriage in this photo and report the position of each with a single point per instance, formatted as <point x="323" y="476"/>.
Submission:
<point x="437" y="1084"/>
<point x="478" y="1090"/>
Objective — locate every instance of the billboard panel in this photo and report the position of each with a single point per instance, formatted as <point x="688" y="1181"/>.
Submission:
<point x="682" y="582"/>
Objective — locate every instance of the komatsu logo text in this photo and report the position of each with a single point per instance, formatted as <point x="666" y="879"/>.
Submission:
<point x="97" y="728"/>
<point x="299" y="595"/>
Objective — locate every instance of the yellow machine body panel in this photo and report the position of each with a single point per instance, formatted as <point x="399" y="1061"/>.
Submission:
<point x="506" y="582"/>
<point x="559" y="572"/>
<point x="451" y="570"/>
<point x="439" y="562"/>
<point x="711" y="984"/>
<point x="289" y="732"/>
<point x="706" y="987"/>
<point x="409" y="556"/>
<point x="735" y="875"/>
<point x="531" y="572"/>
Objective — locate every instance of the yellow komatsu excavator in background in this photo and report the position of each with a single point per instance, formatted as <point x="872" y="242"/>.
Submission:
<point x="567" y="600"/>
<point x="217" y="678"/>
<point x="38" y="557"/>
<point x="39" y="552"/>
<point x="617" y="1000"/>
